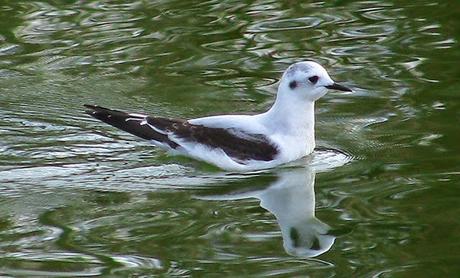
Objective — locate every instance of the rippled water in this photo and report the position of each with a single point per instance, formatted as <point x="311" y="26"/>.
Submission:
<point x="79" y="198"/>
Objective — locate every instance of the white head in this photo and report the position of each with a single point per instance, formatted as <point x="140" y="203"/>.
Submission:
<point x="307" y="80"/>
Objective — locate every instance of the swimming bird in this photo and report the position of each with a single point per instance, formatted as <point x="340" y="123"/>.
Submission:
<point x="284" y="133"/>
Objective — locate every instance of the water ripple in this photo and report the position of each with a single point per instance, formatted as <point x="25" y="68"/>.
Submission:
<point x="284" y="24"/>
<point x="82" y="199"/>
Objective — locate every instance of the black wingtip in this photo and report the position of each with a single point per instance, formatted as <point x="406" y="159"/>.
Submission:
<point x="94" y="110"/>
<point x="90" y="106"/>
<point x="132" y="123"/>
<point x="96" y="107"/>
<point x="91" y="109"/>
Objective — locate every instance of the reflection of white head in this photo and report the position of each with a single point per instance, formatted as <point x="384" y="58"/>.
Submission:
<point x="292" y="200"/>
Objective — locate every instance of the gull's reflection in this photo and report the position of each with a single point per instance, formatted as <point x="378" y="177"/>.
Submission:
<point x="290" y="196"/>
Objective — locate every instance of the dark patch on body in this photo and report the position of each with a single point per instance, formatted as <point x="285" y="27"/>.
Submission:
<point x="240" y="148"/>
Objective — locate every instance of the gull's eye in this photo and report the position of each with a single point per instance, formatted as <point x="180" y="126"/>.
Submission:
<point x="292" y="84"/>
<point x="313" y="79"/>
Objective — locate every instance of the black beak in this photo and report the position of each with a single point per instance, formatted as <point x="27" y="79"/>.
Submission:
<point x="339" y="87"/>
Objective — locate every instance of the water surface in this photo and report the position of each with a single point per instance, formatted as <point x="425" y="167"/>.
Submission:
<point x="80" y="198"/>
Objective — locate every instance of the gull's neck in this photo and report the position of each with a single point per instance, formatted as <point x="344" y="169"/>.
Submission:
<point x="291" y="115"/>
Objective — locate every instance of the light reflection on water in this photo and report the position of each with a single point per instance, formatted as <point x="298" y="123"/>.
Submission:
<point x="291" y="199"/>
<point x="41" y="214"/>
<point x="81" y="199"/>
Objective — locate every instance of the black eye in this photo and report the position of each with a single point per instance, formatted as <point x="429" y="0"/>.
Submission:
<point x="292" y="84"/>
<point x="313" y="79"/>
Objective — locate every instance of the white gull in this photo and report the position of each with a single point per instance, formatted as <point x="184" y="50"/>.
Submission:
<point x="284" y="133"/>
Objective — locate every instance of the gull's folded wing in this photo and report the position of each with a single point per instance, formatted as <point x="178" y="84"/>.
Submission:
<point x="237" y="144"/>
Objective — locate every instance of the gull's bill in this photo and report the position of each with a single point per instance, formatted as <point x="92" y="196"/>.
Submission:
<point x="339" y="87"/>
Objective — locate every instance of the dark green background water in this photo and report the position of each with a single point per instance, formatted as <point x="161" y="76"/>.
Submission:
<point x="79" y="198"/>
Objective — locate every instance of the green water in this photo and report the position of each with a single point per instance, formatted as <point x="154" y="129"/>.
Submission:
<point x="80" y="198"/>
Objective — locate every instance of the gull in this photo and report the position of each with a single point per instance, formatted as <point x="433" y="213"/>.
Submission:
<point x="284" y="133"/>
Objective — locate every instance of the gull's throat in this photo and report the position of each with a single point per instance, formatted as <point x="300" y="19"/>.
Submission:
<point x="294" y="117"/>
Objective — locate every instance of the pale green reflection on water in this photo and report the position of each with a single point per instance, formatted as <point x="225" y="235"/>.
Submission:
<point x="79" y="198"/>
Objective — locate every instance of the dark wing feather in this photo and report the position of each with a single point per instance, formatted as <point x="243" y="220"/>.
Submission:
<point x="132" y="123"/>
<point x="235" y="143"/>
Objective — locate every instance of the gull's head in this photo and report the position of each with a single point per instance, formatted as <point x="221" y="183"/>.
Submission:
<point x="308" y="80"/>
